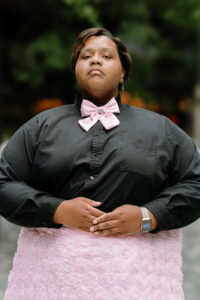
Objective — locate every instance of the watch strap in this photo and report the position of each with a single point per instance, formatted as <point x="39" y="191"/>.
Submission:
<point x="146" y="223"/>
<point x="145" y="214"/>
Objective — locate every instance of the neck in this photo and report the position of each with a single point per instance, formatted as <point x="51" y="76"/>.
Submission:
<point x="99" y="99"/>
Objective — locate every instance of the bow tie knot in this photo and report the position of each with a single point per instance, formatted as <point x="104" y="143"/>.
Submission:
<point x="104" y="114"/>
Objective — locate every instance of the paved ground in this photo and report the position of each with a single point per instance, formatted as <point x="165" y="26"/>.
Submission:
<point x="8" y="243"/>
<point x="191" y="257"/>
<point x="191" y="261"/>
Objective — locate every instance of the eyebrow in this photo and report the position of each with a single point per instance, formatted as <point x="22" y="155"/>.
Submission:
<point x="93" y="49"/>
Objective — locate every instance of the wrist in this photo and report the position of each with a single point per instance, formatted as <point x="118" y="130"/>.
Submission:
<point x="58" y="214"/>
<point x="153" y="220"/>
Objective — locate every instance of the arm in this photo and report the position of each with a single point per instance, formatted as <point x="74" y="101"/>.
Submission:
<point x="20" y="203"/>
<point x="178" y="205"/>
<point x="24" y="205"/>
<point x="174" y="207"/>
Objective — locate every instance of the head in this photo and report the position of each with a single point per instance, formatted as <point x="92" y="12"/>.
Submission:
<point x="101" y="63"/>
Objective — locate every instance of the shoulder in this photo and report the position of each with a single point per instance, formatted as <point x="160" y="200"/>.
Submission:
<point x="56" y="112"/>
<point x="35" y="129"/>
<point x="154" y="124"/>
<point x="50" y="116"/>
<point x="141" y="111"/>
<point x="159" y="125"/>
<point x="144" y="117"/>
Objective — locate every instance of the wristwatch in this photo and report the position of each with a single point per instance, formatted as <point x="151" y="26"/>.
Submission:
<point x="146" y="223"/>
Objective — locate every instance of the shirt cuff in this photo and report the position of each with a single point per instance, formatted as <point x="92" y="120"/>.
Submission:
<point x="46" y="211"/>
<point x="159" y="211"/>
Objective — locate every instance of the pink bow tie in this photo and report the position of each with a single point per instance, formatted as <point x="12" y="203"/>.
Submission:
<point x="104" y="114"/>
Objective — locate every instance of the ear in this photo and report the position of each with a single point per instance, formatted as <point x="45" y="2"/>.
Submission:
<point x="122" y="75"/>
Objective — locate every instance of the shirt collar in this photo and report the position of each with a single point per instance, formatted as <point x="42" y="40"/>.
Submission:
<point x="79" y="99"/>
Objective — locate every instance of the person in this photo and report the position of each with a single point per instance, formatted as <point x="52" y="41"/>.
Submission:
<point x="101" y="190"/>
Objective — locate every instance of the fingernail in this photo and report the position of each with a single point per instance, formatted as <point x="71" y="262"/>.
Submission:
<point x="95" y="222"/>
<point x="92" y="229"/>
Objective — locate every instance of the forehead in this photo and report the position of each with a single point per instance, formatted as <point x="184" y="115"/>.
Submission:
<point x="99" y="42"/>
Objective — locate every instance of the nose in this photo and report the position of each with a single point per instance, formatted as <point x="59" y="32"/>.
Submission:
<point x="96" y="60"/>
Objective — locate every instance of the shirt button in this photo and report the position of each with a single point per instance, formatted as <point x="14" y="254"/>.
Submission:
<point x="91" y="177"/>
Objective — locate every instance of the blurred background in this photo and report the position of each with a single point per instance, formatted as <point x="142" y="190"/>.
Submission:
<point x="163" y="38"/>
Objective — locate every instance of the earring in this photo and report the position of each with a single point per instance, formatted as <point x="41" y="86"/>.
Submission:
<point x="122" y="86"/>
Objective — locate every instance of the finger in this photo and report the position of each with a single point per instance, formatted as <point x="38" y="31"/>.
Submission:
<point x="90" y="215"/>
<point x="96" y="203"/>
<point x="92" y="202"/>
<point x="106" y="217"/>
<point x="109" y="232"/>
<point x="89" y="219"/>
<point x="95" y="212"/>
<point x="113" y="235"/>
<point x="105" y="225"/>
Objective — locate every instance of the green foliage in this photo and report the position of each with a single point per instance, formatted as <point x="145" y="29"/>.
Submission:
<point x="185" y="15"/>
<point x="43" y="54"/>
<point x="44" y="34"/>
<point x="84" y="9"/>
<point x="161" y="36"/>
<point x="162" y="39"/>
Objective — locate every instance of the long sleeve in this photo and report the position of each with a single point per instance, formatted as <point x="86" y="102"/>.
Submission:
<point x="51" y="159"/>
<point x="20" y="203"/>
<point x="178" y="205"/>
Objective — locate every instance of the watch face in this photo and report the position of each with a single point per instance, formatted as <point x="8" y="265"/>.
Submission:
<point x="146" y="225"/>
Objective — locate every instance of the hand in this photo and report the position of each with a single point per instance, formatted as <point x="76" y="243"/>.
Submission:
<point x="77" y="213"/>
<point x="122" y="221"/>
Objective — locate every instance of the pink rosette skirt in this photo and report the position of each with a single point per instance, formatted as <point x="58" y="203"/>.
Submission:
<point x="66" y="264"/>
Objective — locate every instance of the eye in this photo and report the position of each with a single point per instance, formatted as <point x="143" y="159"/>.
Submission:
<point x="86" y="56"/>
<point x="106" y="56"/>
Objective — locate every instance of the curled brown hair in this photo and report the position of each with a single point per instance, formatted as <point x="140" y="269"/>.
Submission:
<point x="124" y="55"/>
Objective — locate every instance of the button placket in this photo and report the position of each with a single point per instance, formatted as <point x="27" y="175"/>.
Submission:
<point x="96" y="151"/>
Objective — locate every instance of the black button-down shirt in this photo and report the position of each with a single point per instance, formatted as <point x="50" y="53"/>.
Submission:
<point x="146" y="161"/>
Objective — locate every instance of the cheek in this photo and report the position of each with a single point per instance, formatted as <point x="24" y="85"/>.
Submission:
<point x="116" y="72"/>
<point x="78" y="72"/>
<point x="77" y="67"/>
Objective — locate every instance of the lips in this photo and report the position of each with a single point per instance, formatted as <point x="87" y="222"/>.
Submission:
<point x="95" y="71"/>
